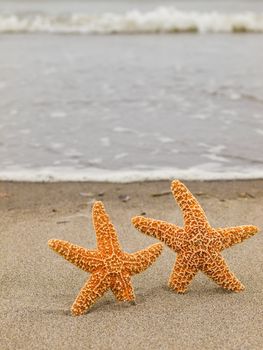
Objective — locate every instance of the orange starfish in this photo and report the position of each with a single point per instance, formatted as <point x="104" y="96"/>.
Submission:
<point x="110" y="267"/>
<point x="197" y="244"/>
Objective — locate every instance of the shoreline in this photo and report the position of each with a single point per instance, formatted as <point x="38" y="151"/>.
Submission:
<point x="38" y="287"/>
<point x="50" y="175"/>
<point x="17" y="193"/>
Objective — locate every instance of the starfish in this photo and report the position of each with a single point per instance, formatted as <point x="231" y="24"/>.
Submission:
<point x="110" y="267"/>
<point x="197" y="244"/>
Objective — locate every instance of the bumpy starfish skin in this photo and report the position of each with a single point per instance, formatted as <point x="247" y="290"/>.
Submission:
<point x="197" y="244"/>
<point x="111" y="268"/>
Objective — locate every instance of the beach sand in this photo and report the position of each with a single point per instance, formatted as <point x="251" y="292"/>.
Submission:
<point x="38" y="286"/>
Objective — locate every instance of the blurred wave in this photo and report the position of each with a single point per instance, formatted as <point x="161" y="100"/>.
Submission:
<point x="127" y="176"/>
<point x="159" y="20"/>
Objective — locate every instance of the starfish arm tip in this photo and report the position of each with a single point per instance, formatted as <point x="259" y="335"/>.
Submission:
<point x="105" y="232"/>
<point x="175" y="183"/>
<point x="75" y="312"/>
<point x="156" y="250"/>
<point x="98" y="205"/>
<point x="158" y="247"/>
<point x="251" y="230"/>
<point x="136" y="219"/>
<point x="141" y="223"/>
<point x="52" y="243"/>
<point x="162" y="230"/>
<point x="241" y="289"/>
<point x="141" y="260"/>
<point x="237" y="234"/>
<point x="254" y="229"/>
<point x="178" y="288"/>
<point x="123" y="289"/>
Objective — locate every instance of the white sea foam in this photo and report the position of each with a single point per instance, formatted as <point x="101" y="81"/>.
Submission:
<point x="259" y="131"/>
<point x="120" y="155"/>
<point x="200" y="116"/>
<point x="58" y="114"/>
<point x="121" y="129"/>
<point x="13" y="112"/>
<point x="216" y="158"/>
<point x="95" y="161"/>
<point x="73" y="153"/>
<point x="56" y="145"/>
<point x="127" y="176"/>
<point x="24" y="131"/>
<point x="105" y="141"/>
<point x="159" y="20"/>
<point x="165" y="139"/>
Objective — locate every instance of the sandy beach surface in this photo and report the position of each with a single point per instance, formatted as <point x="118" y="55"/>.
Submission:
<point x="38" y="286"/>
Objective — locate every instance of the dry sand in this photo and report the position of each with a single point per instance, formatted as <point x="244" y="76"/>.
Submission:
<point x="38" y="286"/>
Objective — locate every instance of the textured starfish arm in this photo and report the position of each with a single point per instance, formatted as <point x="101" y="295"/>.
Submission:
<point x="122" y="288"/>
<point x="93" y="289"/>
<point x="182" y="274"/>
<point x="217" y="269"/>
<point x="234" y="235"/>
<point x="194" y="215"/>
<point x="168" y="233"/>
<point x="107" y="240"/>
<point x="141" y="260"/>
<point x="86" y="260"/>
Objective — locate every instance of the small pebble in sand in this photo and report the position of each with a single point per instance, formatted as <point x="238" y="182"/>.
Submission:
<point x="201" y="194"/>
<point x="4" y="195"/>
<point x="160" y="194"/>
<point x="87" y="194"/>
<point x="245" y="195"/>
<point x="124" y="197"/>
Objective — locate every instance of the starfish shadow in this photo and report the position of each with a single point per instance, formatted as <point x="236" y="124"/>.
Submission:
<point x="56" y="312"/>
<point x="216" y="290"/>
<point x="143" y="296"/>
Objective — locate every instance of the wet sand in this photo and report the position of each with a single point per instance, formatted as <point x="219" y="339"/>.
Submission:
<point x="38" y="286"/>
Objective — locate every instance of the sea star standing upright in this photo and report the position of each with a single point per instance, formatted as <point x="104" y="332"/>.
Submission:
<point x="111" y="268"/>
<point x="197" y="244"/>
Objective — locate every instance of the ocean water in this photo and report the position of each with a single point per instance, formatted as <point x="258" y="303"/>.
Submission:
<point x="129" y="91"/>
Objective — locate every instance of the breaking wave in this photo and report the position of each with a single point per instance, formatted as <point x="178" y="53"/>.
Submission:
<point x="160" y="20"/>
<point x="127" y="176"/>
